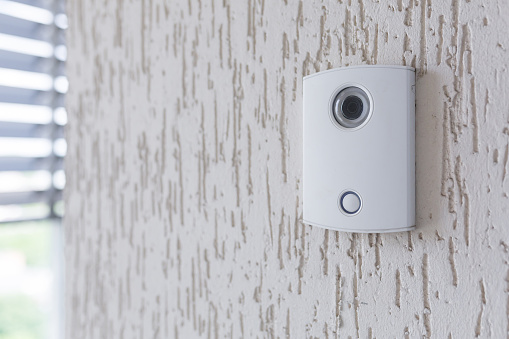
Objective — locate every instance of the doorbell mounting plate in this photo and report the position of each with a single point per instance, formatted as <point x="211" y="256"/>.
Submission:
<point x="359" y="149"/>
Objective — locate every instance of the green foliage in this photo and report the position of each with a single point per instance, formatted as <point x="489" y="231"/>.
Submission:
<point x="21" y="318"/>
<point x="20" y="315"/>
<point x="32" y="239"/>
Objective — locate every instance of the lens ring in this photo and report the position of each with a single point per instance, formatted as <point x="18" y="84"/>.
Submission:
<point x="351" y="107"/>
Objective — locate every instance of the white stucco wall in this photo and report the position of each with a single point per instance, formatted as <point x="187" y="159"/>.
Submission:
<point x="183" y="199"/>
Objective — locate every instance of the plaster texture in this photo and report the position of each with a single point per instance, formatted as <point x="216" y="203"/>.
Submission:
<point x="183" y="198"/>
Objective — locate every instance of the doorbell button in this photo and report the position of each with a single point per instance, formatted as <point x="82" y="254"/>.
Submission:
<point x="350" y="202"/>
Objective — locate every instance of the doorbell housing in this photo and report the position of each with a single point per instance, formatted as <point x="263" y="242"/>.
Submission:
<point x="359" y="149"/>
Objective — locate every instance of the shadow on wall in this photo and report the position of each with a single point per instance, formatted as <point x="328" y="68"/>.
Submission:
<point x="428" y="153"/>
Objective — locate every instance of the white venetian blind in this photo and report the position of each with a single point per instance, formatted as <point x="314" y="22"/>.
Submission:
<point x="32" y="113"/>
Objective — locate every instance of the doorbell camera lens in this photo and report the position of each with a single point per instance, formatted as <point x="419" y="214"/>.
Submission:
<point x="351" y="107"/>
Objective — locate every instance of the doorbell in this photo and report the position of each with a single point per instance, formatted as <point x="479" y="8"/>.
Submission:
<point x="359" y="149"/>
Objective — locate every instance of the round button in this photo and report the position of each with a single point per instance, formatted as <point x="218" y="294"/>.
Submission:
<point x="350" y="202"/>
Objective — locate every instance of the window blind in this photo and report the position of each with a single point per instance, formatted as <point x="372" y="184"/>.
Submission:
<point x="32" y="113"/>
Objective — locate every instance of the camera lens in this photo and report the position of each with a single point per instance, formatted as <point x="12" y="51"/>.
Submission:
<point x="352" y="107"/>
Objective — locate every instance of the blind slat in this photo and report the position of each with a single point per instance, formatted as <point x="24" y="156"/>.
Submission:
<point x="29" y="164"/>
<point x="34" y="114"/>
<point x="17" y="44"/>
<point x="22" y="130"/>
<point x="32" y="88"/>
<point x="26" y="12"/>
<point x="19" y="198"/>
<point x="25" y="80"/>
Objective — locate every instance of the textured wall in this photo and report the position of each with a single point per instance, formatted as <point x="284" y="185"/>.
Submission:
<point x="184" y="172"/>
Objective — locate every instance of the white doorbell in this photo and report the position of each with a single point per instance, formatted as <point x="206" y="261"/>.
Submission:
<point x="359" y="149"/>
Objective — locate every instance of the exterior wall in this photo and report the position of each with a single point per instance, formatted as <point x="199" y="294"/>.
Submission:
<point x="183" y="200"/>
